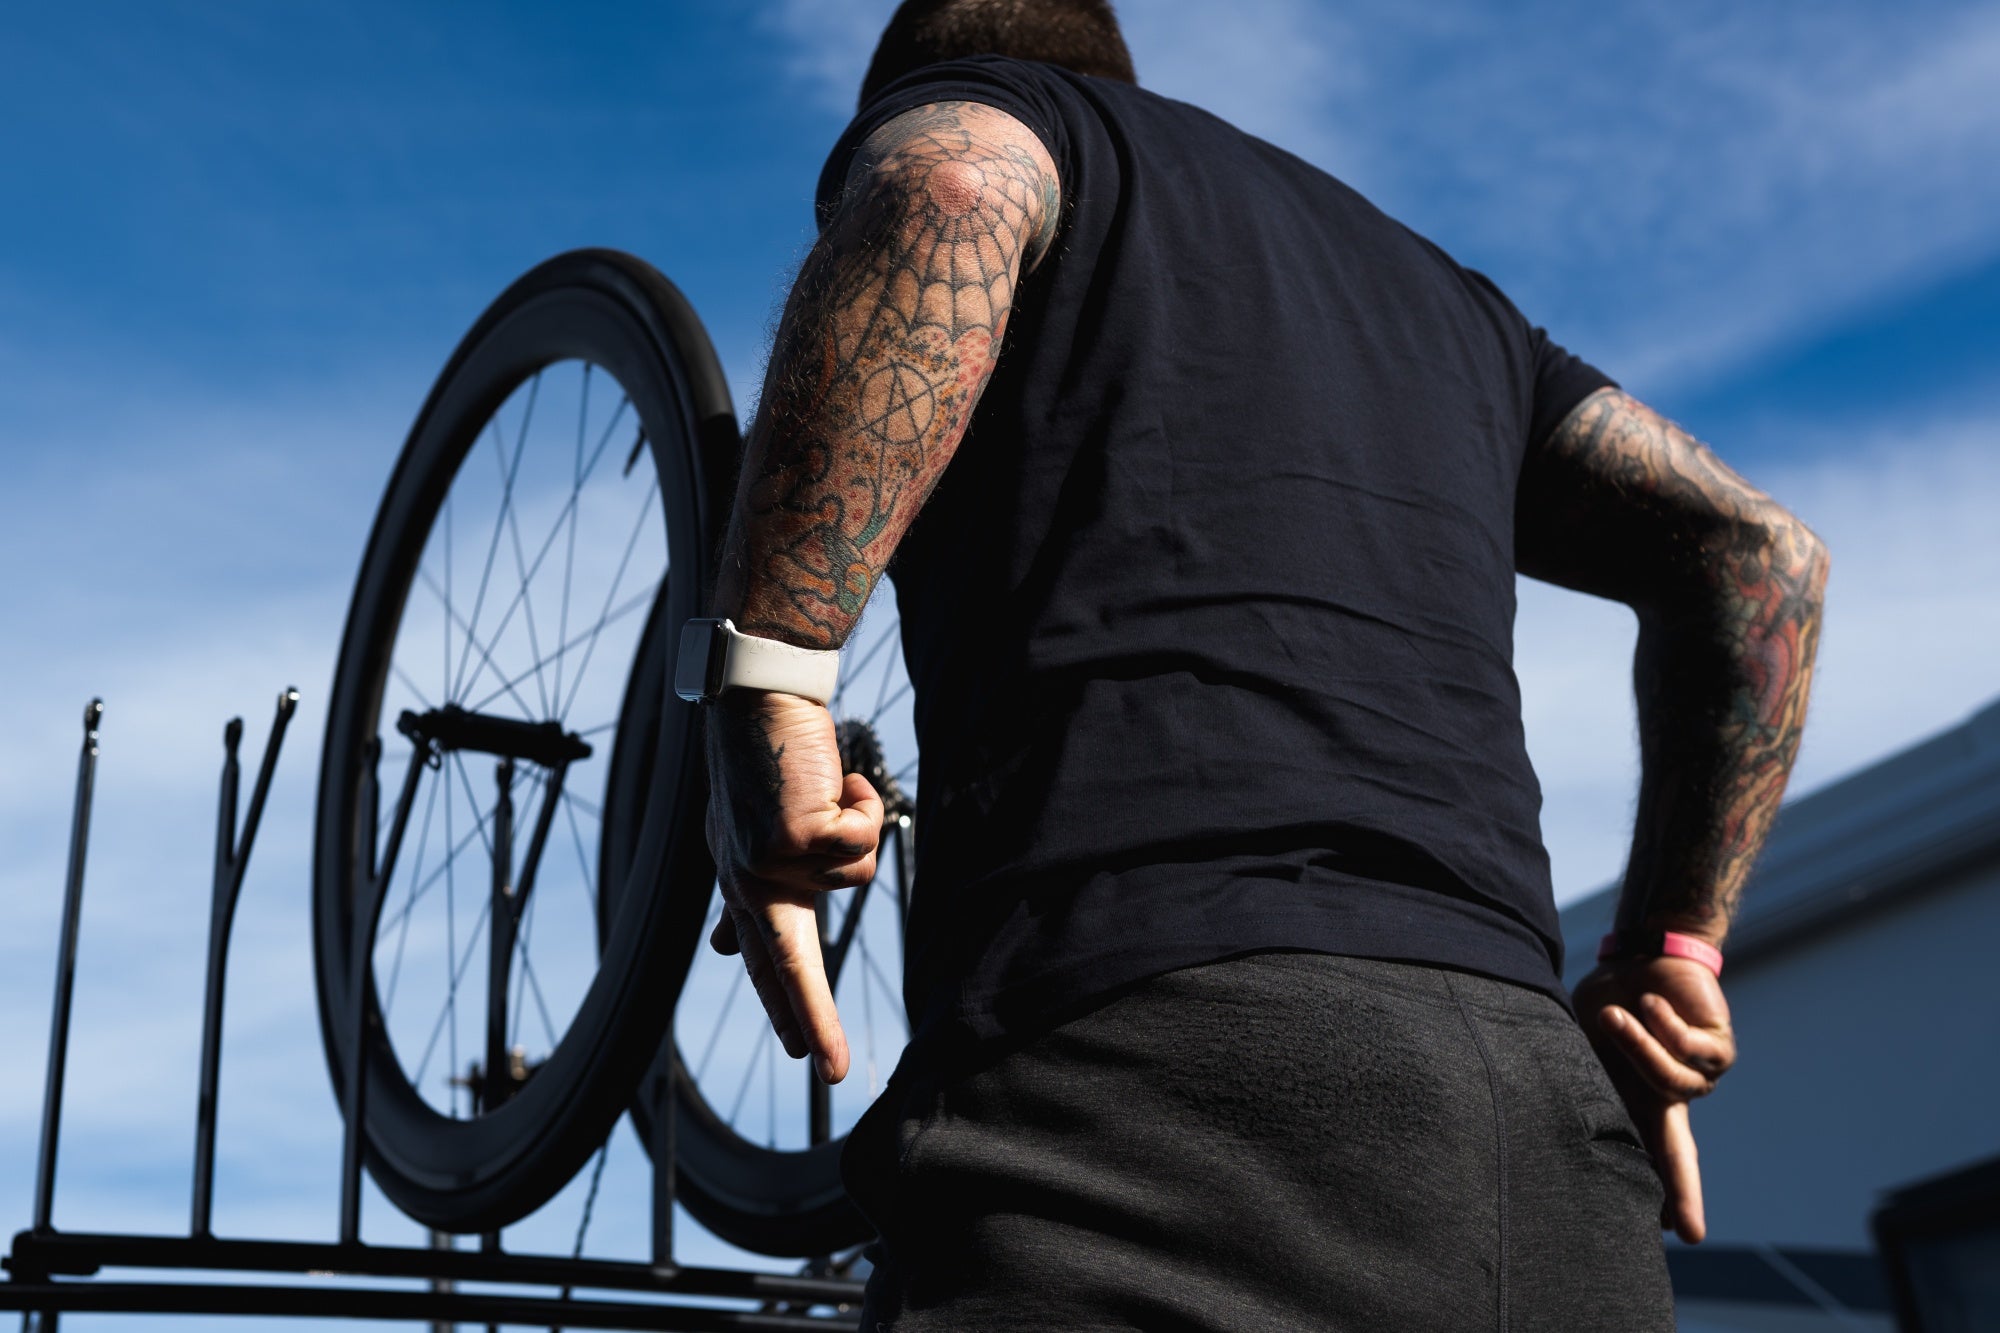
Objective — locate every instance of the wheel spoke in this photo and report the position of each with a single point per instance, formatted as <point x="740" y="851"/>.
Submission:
<point x="450" y="1014"/>
<point x="521" y="942"/>
<point x="868" y="1013"/>
<point x="749" y="1074"/>
<point x="624" y="563"/>
<point x="590" y="1199"/>
<point x="771" y="1088"/>
<point x="513" y="525"/>
<point x="403" y="932"/>
<point x="888" y="991"/>
<point x="412" y="686"/>
<point x="507" y="475"/>
<point x="722" y="1019"/>
<point x="438" y="1029"/>
<point x="525" y="924"/>
<point x="582" y="857"/>
<point x="548" y="543"/>
<point x="883" y="706"/>
<point x="438" y="874"/>
<point x="484" y="654"/>
<point x="605" y="438"/>
<point x="624" y="609"/>
<point x="888" y="671"/>
<point x="479" y="816"/>
<point x="447" y="594"/>
<point x="535" y="989"/>
<point x="575" y="491"/>
<point x="852" y="672"/>
<point x="520" y="597"/>
<point x="446" y="1025"/>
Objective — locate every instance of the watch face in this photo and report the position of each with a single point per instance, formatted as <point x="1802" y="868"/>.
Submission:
<point x="696" y="668"/>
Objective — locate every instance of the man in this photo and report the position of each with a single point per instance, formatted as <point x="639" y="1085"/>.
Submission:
<point x="1234" y="962"/>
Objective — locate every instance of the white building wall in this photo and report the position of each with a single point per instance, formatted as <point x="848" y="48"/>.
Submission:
<point x="1868" y="1057"/>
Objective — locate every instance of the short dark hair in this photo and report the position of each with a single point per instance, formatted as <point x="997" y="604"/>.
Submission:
<point x="1080" y="35"/>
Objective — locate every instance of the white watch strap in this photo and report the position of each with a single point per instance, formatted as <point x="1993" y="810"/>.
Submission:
<point x="753" y="663"/>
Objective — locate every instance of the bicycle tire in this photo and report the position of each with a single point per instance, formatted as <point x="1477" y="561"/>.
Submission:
<point x="613" y="311"/>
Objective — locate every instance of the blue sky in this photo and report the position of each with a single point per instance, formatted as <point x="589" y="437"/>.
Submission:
<point x="236" y="243"/>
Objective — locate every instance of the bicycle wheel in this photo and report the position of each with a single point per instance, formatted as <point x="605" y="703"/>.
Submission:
<point x="757" y="1137"/>
<point x="568" y="459"/>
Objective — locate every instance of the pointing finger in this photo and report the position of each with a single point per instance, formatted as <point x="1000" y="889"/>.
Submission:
<point x="765" y="981"/>
<point x="1680" y="1172"/>
<point x="791" y="933"/>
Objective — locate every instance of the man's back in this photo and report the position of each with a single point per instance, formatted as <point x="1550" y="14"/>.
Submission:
<point x="1210" y="621"/>
<point x="1210" y="617"/>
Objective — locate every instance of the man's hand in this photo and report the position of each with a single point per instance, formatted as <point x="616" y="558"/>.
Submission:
<point x="785" y="824"/>
<point x="1661" y="1028"/>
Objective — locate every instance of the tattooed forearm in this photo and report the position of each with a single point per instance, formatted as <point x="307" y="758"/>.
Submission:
<point x="1728" y="587"/>
<point x="889" y="336"/>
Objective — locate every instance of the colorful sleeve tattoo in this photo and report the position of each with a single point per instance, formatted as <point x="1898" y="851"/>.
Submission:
<point x="1728" y="587"/>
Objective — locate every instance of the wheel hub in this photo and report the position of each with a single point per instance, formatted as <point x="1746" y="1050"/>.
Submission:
<point x="861" y="752"/>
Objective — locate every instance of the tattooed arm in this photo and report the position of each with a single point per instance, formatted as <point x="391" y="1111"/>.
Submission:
<point x="1727" y="586"/>
<point x="889" y="336"/>
<point x="887" y="341"/>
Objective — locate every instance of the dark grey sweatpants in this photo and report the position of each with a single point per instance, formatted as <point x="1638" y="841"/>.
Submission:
<point x="1281" y="1141"/>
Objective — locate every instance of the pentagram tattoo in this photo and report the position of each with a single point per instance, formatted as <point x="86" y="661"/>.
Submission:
<point x="890" y="334"/>
<point x="1729" y="589"/>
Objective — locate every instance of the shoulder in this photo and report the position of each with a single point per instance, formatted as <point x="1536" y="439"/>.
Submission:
<point x="989" y="103"/>
<point x="951" y="159"/>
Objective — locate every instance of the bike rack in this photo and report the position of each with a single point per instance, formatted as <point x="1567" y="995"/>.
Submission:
<point x="44" y="1265"/>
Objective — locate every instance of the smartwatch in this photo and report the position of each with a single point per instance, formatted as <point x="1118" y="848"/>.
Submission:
<point x="716" y="656"/>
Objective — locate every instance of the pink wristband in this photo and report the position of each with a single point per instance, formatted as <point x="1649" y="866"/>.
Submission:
<point x="1659" y="944"/>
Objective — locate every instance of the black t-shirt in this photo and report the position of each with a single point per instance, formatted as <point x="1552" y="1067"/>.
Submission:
<point x="1210" y="620"/>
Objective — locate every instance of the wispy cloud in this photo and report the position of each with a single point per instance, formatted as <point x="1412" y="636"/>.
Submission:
<point x="1670" y="187"/>
<point x="1273" y="68"/>
<point x="828" y="43"/>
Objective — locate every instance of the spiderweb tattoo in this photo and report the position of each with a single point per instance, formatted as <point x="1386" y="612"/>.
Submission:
<point x="891" y="332"/>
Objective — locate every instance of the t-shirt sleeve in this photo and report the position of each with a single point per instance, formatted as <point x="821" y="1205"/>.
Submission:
<point x="1016" y="87"/>
<point x="1558" y="379"/>
<point x="1562" y="380"/>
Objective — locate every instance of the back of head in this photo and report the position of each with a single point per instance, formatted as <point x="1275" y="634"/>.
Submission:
<point x="1079" y="35"/>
